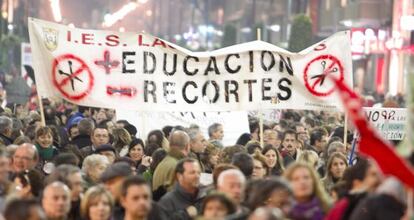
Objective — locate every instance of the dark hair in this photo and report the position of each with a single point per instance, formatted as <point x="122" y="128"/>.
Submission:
<point x="19" y="209"/>
<point x="135" y="142"/>
<point x="82" y="109"/>
<point x="157" y="157"/>
<point x="179" y="168"/>
<point x="127" y="160"/>
<point x="355" y="172"/>
<point x="279" y="164"/>
<point x="252" y="146"/>
<point x="123" y="122"/>
<point x="316" y="135"/>
<point x="66" y="158"/>
<point x="244" y="139"/>
<point x="244" y="162"/>
<point x="223" y="199"/>
<point x="132" y="181"/>
<point x="289" y="131"/>
<point x="32" y="178"/>
<point x="132" y="130"/>
<point x="219" y="169"/>
<point x="43" y="131"/>
<point x="150" y="149"/>
<point x="167" y="130"/>
<point x="155" y="137"/>
<point x="264" y="189"/>
<point x="253" y="126"/>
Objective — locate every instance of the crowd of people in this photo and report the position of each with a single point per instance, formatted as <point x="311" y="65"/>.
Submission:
<point x="85" y="164"/>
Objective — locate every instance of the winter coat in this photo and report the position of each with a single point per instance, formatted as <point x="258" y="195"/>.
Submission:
<point x="164" y="173"/>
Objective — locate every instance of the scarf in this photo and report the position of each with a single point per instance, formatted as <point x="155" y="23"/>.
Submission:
<point x="311" y="210"/>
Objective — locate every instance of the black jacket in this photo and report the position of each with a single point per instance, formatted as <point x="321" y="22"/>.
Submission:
<point x="6" y="141"/>
<point x="378" y="207"/>
<point x="176" y="202"/>
<point x="82" y="141"/>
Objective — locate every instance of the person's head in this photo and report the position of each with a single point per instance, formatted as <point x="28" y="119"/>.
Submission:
<point x="210" y="155"/>
<point x="362" y="176"/>
<point x="306" y="184"/>
<point x="6" y="126"/>
<point x="197" y="141"/>
<point x="94" y="165"/>
<point x="44" y="137"/>
<point x="336" y="147"/>
<point x="100" y="136"/>
<point x="215" y="131"/>
<point x="4" y="166"/>
<point x="136" y="197"/>
<point x="187" y="173"/>
<point x="232" y="183"/>
<point x="132" y="130"/>
<point x="289" y="141"/>
<point x="310" y="157"/>
<point x="273" y="157"/>
<point x="100" y="116"/>
<point x="267" y="214"/>
<point x="19" y="209"/>
<point x="85" y="110"/>
<point x="121" y="123"/>
<point x="121" y="137"/>
<point x="86" y="126"/>
<point x="114" y="175"/>
<point x="221" y="168"/>
<point x="216" y="206"/>
<point x="336" y="165"/>
<point x="253" y="147"/>
<point x="73" y="131"/>
<point x="301" y="131"/>
<point x="25" y="158"/>
<point x="69" y="175"/>
<point x="260" y="168"/>
<point x="270" y="136"/>
<point x="136" y="149"/>
<point x="180" y="141"/>
<point x="244" y="139"/>
<point x="108" y="151"/>
<point x="244" y="162"/>
<point x="155" y="137"/>
<point x="319" y="139"/>
<point x="97" y="204"/>
<point x="66" y="158"/>
<point x="28" y="184"/>
<point x="274" y="192"/>
<point x="56" y="200"/>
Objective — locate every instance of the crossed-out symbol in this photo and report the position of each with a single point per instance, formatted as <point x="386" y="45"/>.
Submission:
<point x="325" y="73"/>
<point x="70" y="76"/>
<point x="330" y="65"/>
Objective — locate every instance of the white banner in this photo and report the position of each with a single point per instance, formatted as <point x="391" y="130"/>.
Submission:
<point x="389" y="122"/>
<point x="144" y="73"/>
<point x="234" y="123"/>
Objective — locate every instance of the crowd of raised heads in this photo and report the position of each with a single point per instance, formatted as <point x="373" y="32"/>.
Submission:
<point x="85" y="164"/>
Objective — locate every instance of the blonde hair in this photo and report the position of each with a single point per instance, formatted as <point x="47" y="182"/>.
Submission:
<point x="318" y="189"/>
<point x="91" y="197"/>
<point x="310" y="157"/>
<point x="121" y="138"/>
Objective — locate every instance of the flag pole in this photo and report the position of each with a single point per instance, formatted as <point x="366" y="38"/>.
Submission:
<point x="259" y="37"/>
<point x="42" y="112"/>
<point x="346" y="129"/>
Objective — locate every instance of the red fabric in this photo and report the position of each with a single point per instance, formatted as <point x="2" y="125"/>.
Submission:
<point x="338" y="210"/>
<point x="370" y="143"/>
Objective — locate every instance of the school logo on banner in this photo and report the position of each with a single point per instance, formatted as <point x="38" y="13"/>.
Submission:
<point x="50" y="36"/>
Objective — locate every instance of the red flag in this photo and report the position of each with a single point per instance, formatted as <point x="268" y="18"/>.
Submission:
<point x="372" y="144"/>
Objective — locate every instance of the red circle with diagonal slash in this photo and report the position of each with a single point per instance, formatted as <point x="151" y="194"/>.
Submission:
<point x="331" y="61"/>
<point x="83" y="68"/>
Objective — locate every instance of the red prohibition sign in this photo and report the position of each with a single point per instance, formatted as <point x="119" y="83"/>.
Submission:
<point x="317" y="72"/>
<point x="69" y="59"/>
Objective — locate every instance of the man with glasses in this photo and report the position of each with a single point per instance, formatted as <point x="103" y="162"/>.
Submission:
<point x="25" y="158"/>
